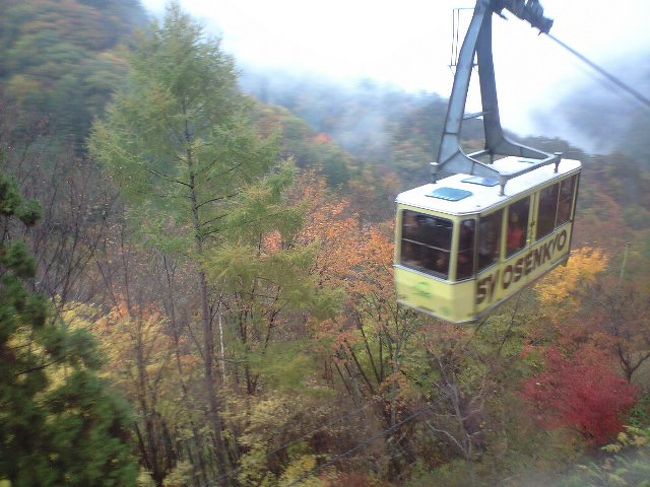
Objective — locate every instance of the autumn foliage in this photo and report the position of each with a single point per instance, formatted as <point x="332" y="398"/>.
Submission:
<point x="227" y="267"/>
<point x="580" y="393"/>
<point x="560" y="286"/>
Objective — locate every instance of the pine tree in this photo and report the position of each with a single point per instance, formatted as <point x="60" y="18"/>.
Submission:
<point x="60" y="424"/>
<point x="179" y="143"/>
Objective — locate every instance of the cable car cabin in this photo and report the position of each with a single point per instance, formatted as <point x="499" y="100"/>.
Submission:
<point x="462" y="249"/>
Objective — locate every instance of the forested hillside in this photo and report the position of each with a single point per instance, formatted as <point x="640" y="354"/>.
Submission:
<point x="62" y="60"/>
<point x="196" y="282"/>
<point x="381" y="126"/>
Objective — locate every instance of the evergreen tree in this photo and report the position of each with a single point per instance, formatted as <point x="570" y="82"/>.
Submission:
<point x="59" y="422"/>
<point x="180" y="143"/>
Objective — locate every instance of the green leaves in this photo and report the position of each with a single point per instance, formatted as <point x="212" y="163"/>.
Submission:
<point x="262" y="209"/>
<point x="55" y="62"/>
<point x="29" y="213"/>
<point x="9" y="197"/>
<point x="18" y="259"/>
<point x="178" y="139"/>
<point x="282" y="277"/>
<point x="57" y="418"/>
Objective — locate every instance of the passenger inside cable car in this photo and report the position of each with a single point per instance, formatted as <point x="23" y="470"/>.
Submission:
<point x="517" y="225"/>
<point x="466" y="250"/>
<point x="426" y="243"/>
<point x="489" y="240"/>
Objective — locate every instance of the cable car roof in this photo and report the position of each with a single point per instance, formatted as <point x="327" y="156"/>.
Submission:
<point x="457" y="195"/>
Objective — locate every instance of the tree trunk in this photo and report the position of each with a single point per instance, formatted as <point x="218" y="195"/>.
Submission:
<point x="214" y="415"/>
<point x="198" y="440"/>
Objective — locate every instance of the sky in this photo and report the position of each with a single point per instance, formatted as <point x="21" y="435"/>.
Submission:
<point x="407" y="44"/>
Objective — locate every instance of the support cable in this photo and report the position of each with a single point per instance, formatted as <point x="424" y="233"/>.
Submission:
<point x="604" y="73"/>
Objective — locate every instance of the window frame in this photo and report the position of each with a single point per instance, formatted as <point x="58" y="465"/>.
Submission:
<point x="473" y="249"/>
<point x="498" y="244"/>
<point x="539" y="208"/>
<point x="449" y="252"/>
<point x="574" y="179"/>
<point x="526" y="227"/>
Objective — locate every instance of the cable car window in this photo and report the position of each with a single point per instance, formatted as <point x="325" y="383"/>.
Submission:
<point x="546" y="211"/>
<point x="489" y="234"/>
<point x="517" y="226"/>
<point x="426" y="243"/>
<point x="567" y="187"/>
<point x="466" y="250"/>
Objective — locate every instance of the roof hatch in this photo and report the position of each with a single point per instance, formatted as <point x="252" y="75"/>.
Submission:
<point x="481" y="181"/>
<point x="450" y="194"/>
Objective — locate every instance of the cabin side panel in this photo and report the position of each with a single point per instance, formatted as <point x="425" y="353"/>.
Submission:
<point x="499" y="283"/>
<point x="448" y="301"/>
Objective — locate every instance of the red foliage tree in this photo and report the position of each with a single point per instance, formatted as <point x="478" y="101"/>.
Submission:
<point x="580" y="393"/>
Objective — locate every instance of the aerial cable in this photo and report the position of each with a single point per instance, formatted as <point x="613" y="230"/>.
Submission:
<point x="606" y="74"/>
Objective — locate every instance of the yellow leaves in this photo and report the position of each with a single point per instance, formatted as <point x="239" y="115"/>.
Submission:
<point x="264" y="416"/>
<point x="274" y="428"/>
<point x="297" y="473"/>
<point x="632" y="437"/>
<point x="639" y="441"/>
<point x="613" y="448"/>
<point x="180" y="476"/>
<point x="614" y="479"/>
<point x="136" y="346"/>
<point x="583" y="267"/>
<point x="145" y="480"/>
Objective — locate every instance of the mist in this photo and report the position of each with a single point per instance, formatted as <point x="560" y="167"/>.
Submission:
<point x="408" y="47"/>
<point x="361" y="116"/>
<point x="600" y="117"/>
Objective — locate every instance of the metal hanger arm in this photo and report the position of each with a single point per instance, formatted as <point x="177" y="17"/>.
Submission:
<point x="478" y="43"/>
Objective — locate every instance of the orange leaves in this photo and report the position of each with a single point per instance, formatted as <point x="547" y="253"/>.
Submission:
<point x="589" y="308"/>
<point x="352" y="256"/>
<point x="138" y="349"/>
<point x="272" y="243"/>
<point x="334" y="228"/>
<point x="322" y="139"/>
<point x="346" y="339"/>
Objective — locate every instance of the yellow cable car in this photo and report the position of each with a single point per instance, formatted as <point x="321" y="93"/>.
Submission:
<point x="464" y="244"/>
<point x="462" y="248"/>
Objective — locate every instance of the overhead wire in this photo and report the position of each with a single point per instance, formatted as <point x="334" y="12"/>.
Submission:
<point x="455" y="35"/>
<point x="610" y="77"/>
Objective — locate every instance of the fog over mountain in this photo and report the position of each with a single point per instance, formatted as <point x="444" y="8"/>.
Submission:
<point x="361" y="117"/>
<point x="601" y="117"/>
<point x="407" y="45"/>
